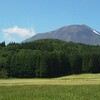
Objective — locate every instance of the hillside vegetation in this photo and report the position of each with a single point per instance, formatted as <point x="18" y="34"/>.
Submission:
<point x="48" y="58"/>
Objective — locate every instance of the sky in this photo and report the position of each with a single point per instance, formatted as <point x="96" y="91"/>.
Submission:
<point x="21" y="19"/>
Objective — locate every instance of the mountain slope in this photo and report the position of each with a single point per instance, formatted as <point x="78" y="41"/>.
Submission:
<point x="74" y="33"/>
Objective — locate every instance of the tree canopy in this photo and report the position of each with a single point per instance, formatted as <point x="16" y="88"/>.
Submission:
<point x="48" y="58"/>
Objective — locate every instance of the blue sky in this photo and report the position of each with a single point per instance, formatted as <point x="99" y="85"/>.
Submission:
<point x="21" y="19"/>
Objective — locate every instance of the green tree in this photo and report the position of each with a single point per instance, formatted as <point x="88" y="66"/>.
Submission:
<point x="76" y="63"/>
<point x="3" y="73"/>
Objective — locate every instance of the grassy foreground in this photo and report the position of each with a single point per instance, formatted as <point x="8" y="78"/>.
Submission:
<point x="74" y="87"/>
<point x="88" y="92"/>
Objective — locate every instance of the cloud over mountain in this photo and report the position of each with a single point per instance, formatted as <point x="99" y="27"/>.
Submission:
<point x="10" y="34"/>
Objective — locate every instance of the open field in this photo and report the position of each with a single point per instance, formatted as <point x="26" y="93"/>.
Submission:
<point x="81" y="92"/>
<point x="84" y="79"/>
<point x="74" y="87"/>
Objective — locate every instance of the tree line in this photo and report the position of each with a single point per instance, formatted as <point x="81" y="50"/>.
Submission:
<point x="47" y="58"/>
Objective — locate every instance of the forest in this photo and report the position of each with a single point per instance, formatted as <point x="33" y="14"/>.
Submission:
<point x="47" y="58"/>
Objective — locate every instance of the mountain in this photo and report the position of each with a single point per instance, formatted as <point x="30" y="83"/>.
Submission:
<point x="73" y="33"/>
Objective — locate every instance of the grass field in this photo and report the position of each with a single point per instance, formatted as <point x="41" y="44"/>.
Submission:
<point x="74" y="87"/>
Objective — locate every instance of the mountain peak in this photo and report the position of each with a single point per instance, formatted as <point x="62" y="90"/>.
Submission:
<point x="74" y="33"/>
<point x="77" y="26"/>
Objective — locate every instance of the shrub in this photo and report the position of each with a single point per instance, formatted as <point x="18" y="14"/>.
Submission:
<point x="3" y="73"/>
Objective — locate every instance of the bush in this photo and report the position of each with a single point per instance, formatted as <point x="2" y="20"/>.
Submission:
<point x="3" y="73"/>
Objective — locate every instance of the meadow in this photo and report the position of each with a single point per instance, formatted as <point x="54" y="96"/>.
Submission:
<point x="74" y="87"/>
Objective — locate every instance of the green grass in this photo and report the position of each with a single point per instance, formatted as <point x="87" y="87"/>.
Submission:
<point x="88" y="92"/>
<point x="83" y="79"/>
<point x="74" y="87"/>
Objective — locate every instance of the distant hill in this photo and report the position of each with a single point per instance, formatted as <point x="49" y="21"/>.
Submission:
<point x="73" y="33"/>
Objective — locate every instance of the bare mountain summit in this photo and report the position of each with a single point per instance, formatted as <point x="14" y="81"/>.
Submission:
<point x="73" y="33"/>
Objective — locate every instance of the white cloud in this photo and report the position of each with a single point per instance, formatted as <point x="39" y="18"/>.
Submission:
<point x="8" y="37"/>
<point x="11" y="33"/>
